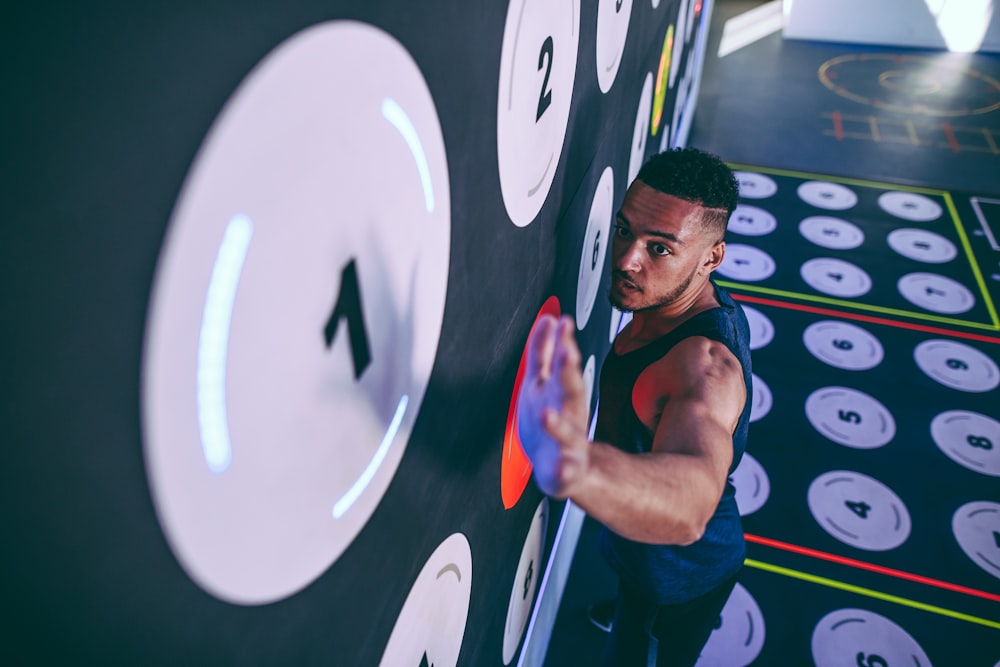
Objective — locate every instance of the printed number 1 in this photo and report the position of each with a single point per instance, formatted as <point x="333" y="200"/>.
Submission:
<point x="545" y="97"/>
<point x="349" y="306"/>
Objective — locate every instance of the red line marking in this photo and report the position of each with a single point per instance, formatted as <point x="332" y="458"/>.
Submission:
<point x="861" y="565"/>
<point x="838" y="127"/>
<point x="951" y="137"/>
<point x="868" y="318"/>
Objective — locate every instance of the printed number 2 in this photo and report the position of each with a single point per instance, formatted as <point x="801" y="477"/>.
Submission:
<point x="349" y="306"/>
<point x="545" y="97"/>
<point x="871" y="661"/>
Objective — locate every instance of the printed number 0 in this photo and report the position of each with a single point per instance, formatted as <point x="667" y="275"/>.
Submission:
<point x="871" y="661"/>
<point x="545" y="97"/>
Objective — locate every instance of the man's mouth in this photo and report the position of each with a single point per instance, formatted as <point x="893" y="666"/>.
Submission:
<point x="622" y="283"/>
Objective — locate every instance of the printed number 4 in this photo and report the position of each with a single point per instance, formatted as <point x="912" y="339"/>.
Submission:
<point x="545" y="60"/>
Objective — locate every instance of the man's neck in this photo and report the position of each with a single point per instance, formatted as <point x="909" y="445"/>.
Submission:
<point x="649" y="325"/>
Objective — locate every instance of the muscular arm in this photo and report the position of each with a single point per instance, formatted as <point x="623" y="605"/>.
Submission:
<point x="691" y="400"/>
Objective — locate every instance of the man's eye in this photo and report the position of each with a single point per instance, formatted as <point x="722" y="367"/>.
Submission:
<point x="620" y="231"/>
<point x="660" y="249"/>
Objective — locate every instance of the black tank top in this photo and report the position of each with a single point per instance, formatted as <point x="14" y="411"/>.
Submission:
<point x="671" y="574"/>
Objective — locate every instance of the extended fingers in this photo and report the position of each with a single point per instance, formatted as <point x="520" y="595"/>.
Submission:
<point x="541" y="348"/>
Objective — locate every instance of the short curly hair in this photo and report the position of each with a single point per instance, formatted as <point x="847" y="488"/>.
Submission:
<point x="696" y="176"/>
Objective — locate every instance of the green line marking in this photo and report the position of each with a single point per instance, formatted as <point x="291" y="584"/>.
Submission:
<point x="857" y="306"/>
<point x="832" y="583"/>
<point x="994" y="324"/>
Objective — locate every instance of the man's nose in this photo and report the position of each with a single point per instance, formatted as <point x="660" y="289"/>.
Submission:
<point x="629" y="259"/>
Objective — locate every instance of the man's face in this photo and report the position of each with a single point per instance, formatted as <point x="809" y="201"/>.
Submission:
<point x="659" y="247"/>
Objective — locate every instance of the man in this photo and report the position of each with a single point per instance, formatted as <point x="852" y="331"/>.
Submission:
<point x="674" y="411"/>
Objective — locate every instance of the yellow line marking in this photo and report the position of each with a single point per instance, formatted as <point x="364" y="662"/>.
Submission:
<point x="983" y="290"/>
<point x="832" y="583"/>
<point x="912" y="132"/>
<point x="858" y="306"/>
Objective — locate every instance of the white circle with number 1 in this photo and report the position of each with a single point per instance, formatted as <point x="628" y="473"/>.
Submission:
<point x="859" y="510"/>
<point x="850" y="417"/>
<point x="431" y="625"/>
<point x="595" y="247"/>
<point x="522" y="594"/>
<point x="537" y="72"/>
<point x="936" y="293"/>
<point x="863" y="638"/>
<point x="976" y="527"/>
<point x="288" y="347"/>
<point x="969" y="439"/>
<point x="640" y="135"/>
<point x="612" y="31"/>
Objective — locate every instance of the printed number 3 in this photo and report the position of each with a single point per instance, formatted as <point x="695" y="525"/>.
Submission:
<point x="545" y="97"/>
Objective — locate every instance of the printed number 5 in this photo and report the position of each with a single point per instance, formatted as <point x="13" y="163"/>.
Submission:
<point x="545" y="97"/>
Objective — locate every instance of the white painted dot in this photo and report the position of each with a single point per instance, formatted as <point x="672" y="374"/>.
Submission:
<point x="264" y="471"/>
<point x="754" y="185"/>
<point x="957" y="365"/>
<point x="922" y="245"/>
<point x="751" y="221"/>
<point x="910" y="206"/>
<point x="976" y="527"/>
<point x="595" y="247"/>
<point x="936" y="293"/>
<point x="590" y="378"/>
<point x="843" y="345"/>
<point x="761" y="399"/>
<point x="752" y="485"/>
<point x="830" y="196"/>
<point x="836" y="277"/>
<point x="612" y="31"/>
<point x="526" y="576"/>
<point x="432" y="623"/>
<point x="761" y="327"/>
<point x="850" y="417"/>
<point x="739" y="639"/>
<point x="859" y="510"/>
<point x="640" y="133"/>
<point x="860" y="637"/>
<point x="744" y="262"/>
<point x="970" y="439"/>
<point x="832" y="233"/>
<point x="537" y="73"/>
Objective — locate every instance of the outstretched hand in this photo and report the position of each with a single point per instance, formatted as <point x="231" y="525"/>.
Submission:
<point x="552" y="408"/>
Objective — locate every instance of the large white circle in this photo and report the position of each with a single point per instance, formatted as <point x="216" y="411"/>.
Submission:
<point x="761" y="327"/>
<point x="744" y="262"/>
<point x="522" y="594"/>
<point x="830" y="196"/>
<point x="618" y="321"/>
<point x="836" y="277"/>
<point x="936" y="293"/>
<point x="922" y="245"/>
<point x="595" y="246"/>
<point x="761" y="399"/>
<point x="754" y="185"/>
<point x="590" y="379"/>
<point x="909" y="206"/>
<point x="431" y="625"/>
<point x="739" y="639"/>
<point x="640" y="133"/>
<point x="860" y="637"/>
<point x="612" y="31"/>
<point x="850" y="417"/>
<point x="843" y="345"/>
<point x="752" y="485"/>
<point x="957" y="365"/>
<point x="537" y="72"/>
<point x="969" y="439"/>
<point x="287" y="355"/>
<point x="751" y="221"/>
<point x="859" y="510"/>
<point x="976" y="527"/>
<point x="832" y="233"/>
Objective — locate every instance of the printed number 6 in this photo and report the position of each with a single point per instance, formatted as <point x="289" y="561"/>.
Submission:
<point x="872" y="661"/>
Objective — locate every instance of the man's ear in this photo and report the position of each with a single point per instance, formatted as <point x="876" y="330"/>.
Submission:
<point x="713" y="258"/>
